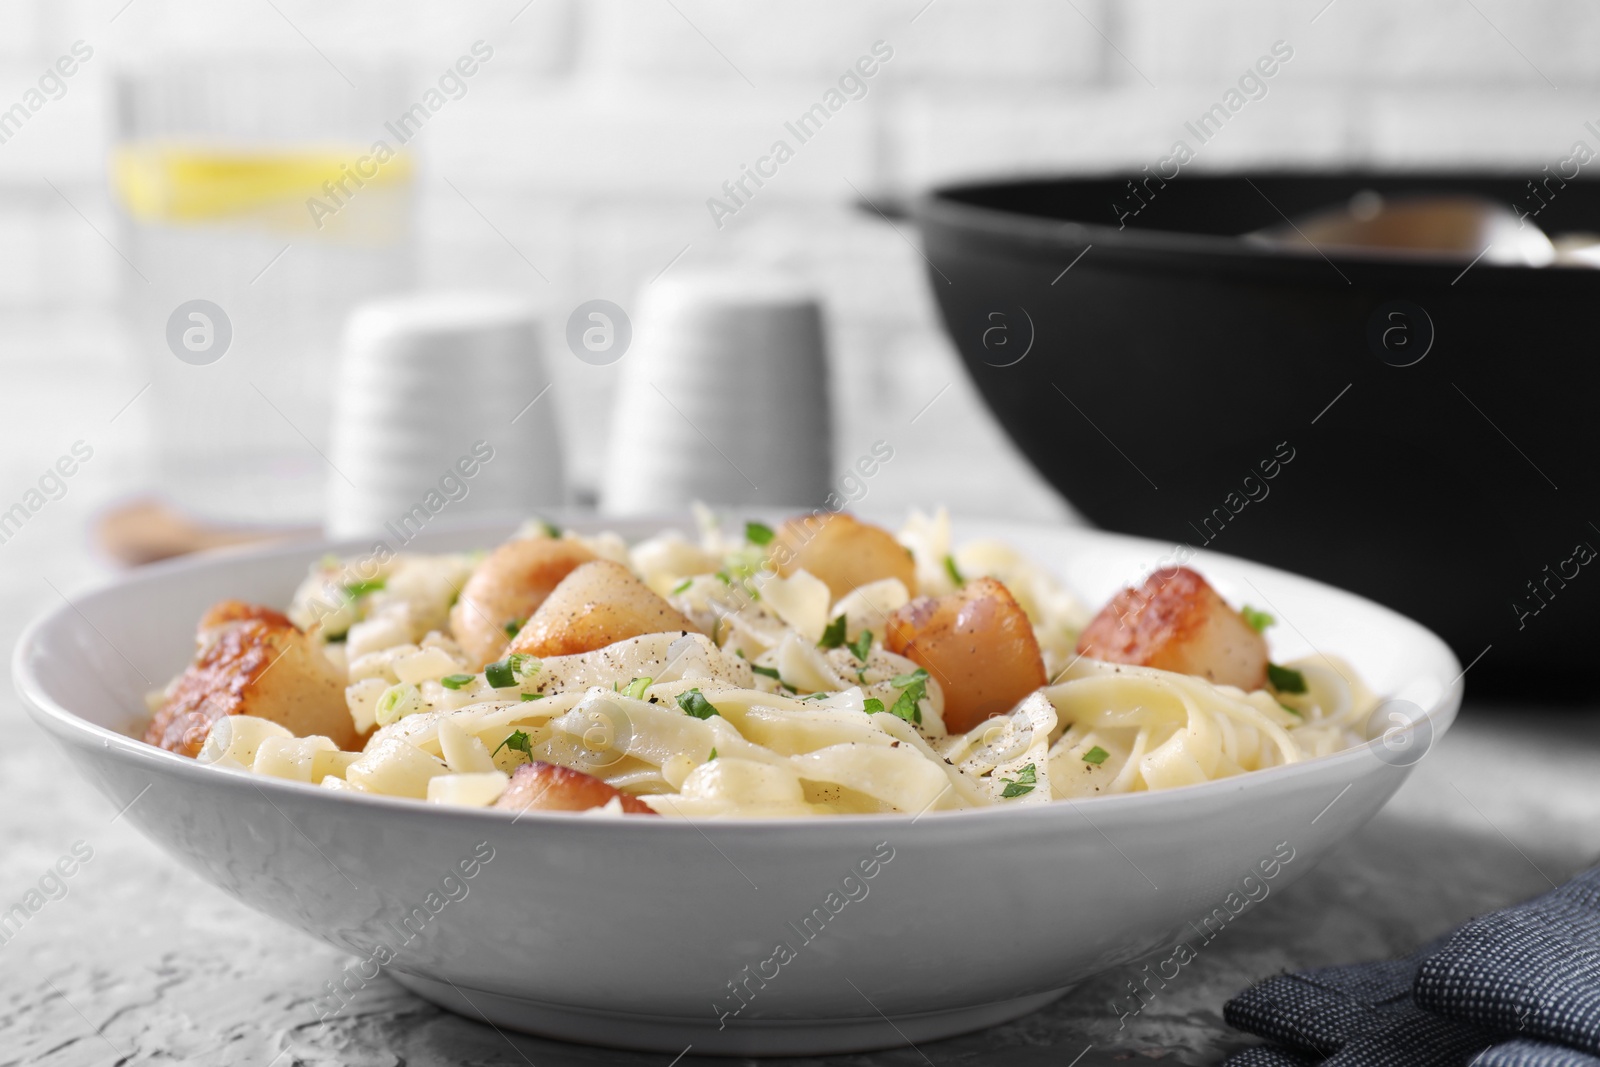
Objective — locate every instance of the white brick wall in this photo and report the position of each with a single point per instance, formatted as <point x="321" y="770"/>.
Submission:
<point x="593" y="138"/>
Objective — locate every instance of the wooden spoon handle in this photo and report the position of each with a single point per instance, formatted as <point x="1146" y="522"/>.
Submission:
<point x="143" y="531"/>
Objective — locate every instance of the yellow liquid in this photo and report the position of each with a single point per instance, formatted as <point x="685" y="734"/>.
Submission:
<point x="174" y="183"/>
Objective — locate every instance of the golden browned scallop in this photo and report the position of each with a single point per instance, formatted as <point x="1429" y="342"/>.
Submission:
<point x="598" y="604"/>
<point x="540" y="786"/>
<point x="253" y="661"/>
<point x="843" y="551"/>
<point x="506" y="589"/>
<point x="977" y="643"/>
<point x="1175" y="621"/>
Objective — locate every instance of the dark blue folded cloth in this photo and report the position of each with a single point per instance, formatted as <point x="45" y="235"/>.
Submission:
<point x="1516" y="988"/>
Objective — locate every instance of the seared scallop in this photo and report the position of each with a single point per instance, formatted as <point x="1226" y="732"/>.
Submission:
<point x="540" y="786"/>
<point x="977" y="643"/>
<point x="506" y="589"/>
<point x="252" y="660"/>
<point x="1176" y="622"/>
<point x="843" y="551"/>
<point x="598" y="604"/>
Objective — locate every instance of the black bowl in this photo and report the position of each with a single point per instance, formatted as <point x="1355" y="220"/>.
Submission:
<point x="1414" y="430"/>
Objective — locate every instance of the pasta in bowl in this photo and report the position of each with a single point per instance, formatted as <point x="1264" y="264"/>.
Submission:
<point x="822" y="667"/>
<point x="841" y="930"/>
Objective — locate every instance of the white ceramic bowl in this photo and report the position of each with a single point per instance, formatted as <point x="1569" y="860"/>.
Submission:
<point x="629" y="932"/>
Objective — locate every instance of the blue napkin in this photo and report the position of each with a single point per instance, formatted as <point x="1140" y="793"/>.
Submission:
<point x="1516" y="988"/>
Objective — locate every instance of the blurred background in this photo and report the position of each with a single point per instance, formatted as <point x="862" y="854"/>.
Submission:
<point x="576" y="163"/>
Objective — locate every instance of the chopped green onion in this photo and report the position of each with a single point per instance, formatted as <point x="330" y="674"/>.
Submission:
<point x="769" y="672"/>
<point x="636" y="688"/>
<point x="834" y="635"/>
<point x="532" y="696"/>
<point x="1258" y="620"/>
<point x="523" y="665"/>
<point x="500" y="675"/>
<point x="396" y="702"/>
<point x="872" y="706"/>
<point x="695" y="703"/>
<point x="1096" y="756"/>
<point x="550" y="528"/>
<point x="862" y="646"/>
<point x="512" y="627"/>
<point x="457" y="681"/>
<point x="1285" y="679"/>
<point x="712" y="756"/>
<point x="517" y="741"/>
<point x="953" y="571"/>
<point x="681" y="586"/>
<point x="1290" y="710"/>
<point x="758" y="533"/>
<point x="355" y="590"/>
<point x="1021" y="785"/>
<point x="722" y="576"/>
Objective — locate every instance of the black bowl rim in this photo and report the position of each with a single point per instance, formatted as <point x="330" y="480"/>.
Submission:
<point x="942" y="210"/>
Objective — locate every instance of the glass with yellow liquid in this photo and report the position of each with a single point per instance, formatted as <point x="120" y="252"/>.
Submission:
<point x="260" y="202"/>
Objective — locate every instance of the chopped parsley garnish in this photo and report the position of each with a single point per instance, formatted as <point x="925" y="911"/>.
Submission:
<point x="532" y="696"/>
<point x="769" y="672"/>
<point x="953" y="571"/>
<point x="516" y="741"/>
<point x="695" y="703"/>
<point x="862" y="645"/>
<point x="918" y="678"/>
<point x="636" y="688"/>
<point x="1258" y="620"/>
<point x="834" y="635"/>
<point x="681" y="586"/>
<point x="712" y="756"/>
<point x="758" y="533"/>
<point x="1285" y="679"/>
<point x="550" y="528"/>
<point x="872" y="706"/>
<point x="456" y="681"/>
<point x="500" y="675"/>
<point x="1096" y="756"/>
<point x="512" y="627"/>
<point x="1021" y="785"/>
<point x="355" y="590"/>
<point x="913" y="687"/>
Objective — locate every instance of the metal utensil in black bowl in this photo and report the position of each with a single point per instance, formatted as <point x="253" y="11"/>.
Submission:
<point x="1418" y="428"/>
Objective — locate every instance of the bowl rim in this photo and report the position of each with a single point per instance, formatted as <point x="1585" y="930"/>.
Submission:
<point x="73" y="729"/>
<point x="944" y="206"/>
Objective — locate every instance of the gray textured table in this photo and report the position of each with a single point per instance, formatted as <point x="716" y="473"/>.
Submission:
<point x="139" y="962"/>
